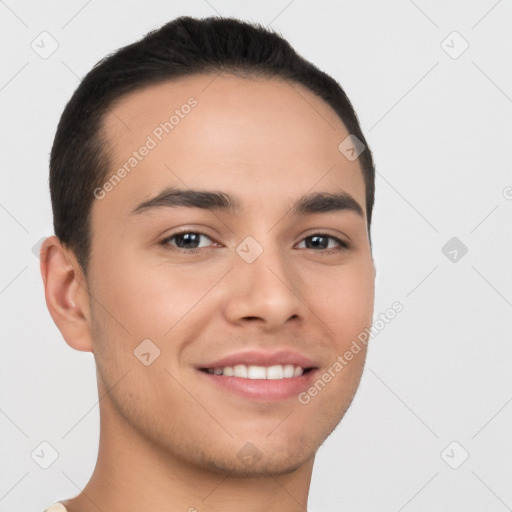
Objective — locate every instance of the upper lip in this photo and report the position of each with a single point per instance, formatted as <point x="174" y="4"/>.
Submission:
<point x="260" y="358"/>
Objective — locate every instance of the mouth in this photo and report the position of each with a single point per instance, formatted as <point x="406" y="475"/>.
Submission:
<point x="254" y="372"/>
<point x="260" y="378"/>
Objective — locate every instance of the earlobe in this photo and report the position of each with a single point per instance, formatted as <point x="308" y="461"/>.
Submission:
<point x="66" y="293"/>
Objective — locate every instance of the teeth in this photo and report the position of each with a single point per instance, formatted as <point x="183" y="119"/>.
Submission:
<point x="275" y="372"/>
<point x="288" y="371"/>
<point x="256" y="372"/>
<point x="240" y="370"/>
<point x="259" y="372"/>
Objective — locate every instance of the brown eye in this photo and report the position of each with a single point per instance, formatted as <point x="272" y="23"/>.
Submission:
<point x="322" y="241"/>
<point x="186" y="240"/>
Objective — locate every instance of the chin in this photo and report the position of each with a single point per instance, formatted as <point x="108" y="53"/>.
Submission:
<point x="265" y="467"/>
<point x="246" y="460"/>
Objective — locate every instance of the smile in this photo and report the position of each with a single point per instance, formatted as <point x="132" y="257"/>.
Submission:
<point x="254" y="372"/>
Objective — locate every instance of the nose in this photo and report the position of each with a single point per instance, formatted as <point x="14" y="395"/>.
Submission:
<point x="266" y="292"/>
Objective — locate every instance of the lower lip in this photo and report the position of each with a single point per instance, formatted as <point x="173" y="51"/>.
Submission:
<point x="263" y="389"/>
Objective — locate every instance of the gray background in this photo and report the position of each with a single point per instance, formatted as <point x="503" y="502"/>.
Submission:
<point x="439" y="125"/>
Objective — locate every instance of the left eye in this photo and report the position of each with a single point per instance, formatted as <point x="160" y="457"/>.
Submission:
<point x="322" y="241"/>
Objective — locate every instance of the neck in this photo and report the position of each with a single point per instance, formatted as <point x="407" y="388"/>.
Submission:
<point x="133" y="473"/>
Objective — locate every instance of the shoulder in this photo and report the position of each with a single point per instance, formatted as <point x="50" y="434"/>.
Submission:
<point x="57" y="507"/>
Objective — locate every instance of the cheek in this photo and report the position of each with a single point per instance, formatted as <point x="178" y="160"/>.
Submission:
<point x="147" y="300"/>
<point x="344" y="301"/>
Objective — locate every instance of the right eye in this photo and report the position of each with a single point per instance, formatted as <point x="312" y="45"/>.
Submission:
<point x="188" y="241"/>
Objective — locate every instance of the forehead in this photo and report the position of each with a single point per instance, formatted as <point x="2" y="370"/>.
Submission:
<point x="252" y="99"/>
<point x="223" y="132"/>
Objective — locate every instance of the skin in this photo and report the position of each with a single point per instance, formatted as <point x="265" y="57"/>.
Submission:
<point x="168" y="439"/>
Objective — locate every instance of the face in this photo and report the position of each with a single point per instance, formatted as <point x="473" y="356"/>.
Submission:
<point x="266" y="265"/>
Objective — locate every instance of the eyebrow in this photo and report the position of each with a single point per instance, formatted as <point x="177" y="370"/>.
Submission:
<point x="317" y="202"/>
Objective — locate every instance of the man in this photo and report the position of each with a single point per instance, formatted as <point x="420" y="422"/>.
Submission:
<point x="212" y="196"/>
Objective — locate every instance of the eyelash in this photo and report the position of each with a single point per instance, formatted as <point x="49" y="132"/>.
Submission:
<point x="343" y="246"/>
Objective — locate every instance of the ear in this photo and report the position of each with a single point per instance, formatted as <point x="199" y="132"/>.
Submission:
<point x="66" y="293"/>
